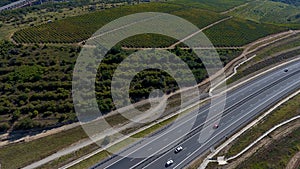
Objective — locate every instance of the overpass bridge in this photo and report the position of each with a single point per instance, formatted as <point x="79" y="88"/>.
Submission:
<point x="17" y="4"/>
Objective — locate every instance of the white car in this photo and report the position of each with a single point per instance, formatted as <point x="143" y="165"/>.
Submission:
<point x="170" y="162"/>
<point x="178" y="149"/>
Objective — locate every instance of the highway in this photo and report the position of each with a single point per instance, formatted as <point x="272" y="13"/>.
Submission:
<point x="16" y="4"/>
<point x="243" y="105"/>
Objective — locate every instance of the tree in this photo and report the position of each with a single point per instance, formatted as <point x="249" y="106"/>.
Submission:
<point x="62" y="118"/>
<point x="34" y="114"/>
<point x="26" y="123"/>
<point x="4" y="127"/>
<point x="16" y="115"/>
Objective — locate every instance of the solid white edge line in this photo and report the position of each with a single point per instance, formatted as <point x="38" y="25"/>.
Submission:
<point x="235" y="136"/>
<point x="232" y="124"/>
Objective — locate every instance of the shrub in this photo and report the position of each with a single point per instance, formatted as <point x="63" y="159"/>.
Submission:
<point x="26" y="123"/>
<point x="4" y="127"/>
<point x="16" y="115"/>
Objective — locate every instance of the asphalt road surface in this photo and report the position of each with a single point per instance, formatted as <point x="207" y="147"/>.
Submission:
<point x="243" y="105"/>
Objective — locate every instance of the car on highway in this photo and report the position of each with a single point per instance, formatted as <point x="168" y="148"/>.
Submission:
<point x="216" y="126"/>
<point x="178" y="149"/>
<point x="286" y="70"/>
<point x="169" y="163"/>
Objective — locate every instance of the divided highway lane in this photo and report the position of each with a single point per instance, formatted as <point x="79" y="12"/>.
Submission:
<point x="242" y="105"/>
<point x="229" y="124"/>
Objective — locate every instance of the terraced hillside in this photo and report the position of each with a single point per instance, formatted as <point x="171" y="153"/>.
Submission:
<point x="43" y="73"/>
<point x="234" y="32"/>
<point x="36" y="82"/>
<point x="291" y="2"/>
<point x="270" y="12"/>
<point x="215" y="5"/>
<point x="77" y="29"/>
<point x="239" y="32"/>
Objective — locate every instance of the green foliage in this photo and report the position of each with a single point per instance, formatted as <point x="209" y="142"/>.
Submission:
<point x="291" y="2"/>
<point x="233" y="32"/>
<point x="31" y="14"/>
<point x="280" y="51"/>
<point x="24" y="74"/>
<point x="270" y="12"/>
<point x="62" y="118"/>
<point x="281" y="114"/>
<point x="227" y="55"/>
<point x="16" y="115"/>
<point x="36" y="84"/>
<point x="146" y="81"/>
<point x="79" y="28"/>
<point x="215" y="5"/>
<point x="27" y="123"/>
<point x="148" y="40"/>
<point x="19" y="155"/>
<point x="49" y="96"/>
<point x="200" y="18"/>
<point x="6" y="49"/>
<point x="34" y="114"/>
<point x="4" y="127"/>
<point x="275" y="155"/>
<point x="238" y="32"/>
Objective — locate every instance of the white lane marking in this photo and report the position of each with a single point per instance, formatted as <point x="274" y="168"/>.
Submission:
<point x="207" y="126"/>
<point x="230" y="126"/>
<point x="255" y="84"/>
<point x="170" y="149"/>
<point x="191" y="137"/>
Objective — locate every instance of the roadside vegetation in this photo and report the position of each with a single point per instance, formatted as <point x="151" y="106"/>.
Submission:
<point x="276" y="155"/>
<point x="24" y="153"/>
<point x="36" y="85"/>
<point x="36" y="82"/>
<point x="280" y="51"/>
<point x="283" y="113"/>
<point x="36" y="74"/>
<point x="121" y="145"/>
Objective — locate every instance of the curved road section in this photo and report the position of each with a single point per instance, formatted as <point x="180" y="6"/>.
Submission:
<point x="243" y="105"/>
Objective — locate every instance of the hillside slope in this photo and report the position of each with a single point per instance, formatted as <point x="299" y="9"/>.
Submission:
<point x="270" y="12"/>
<point x="291" y="2"/>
